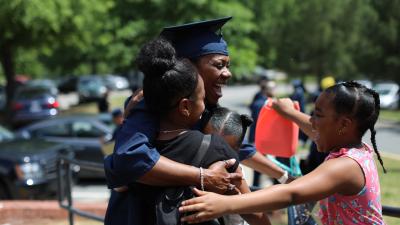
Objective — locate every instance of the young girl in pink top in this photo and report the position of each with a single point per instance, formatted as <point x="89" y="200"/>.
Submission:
<point x="347" y="182"/>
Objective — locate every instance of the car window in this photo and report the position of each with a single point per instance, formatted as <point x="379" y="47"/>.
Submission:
<point x="31" y="92"/>
<point x="57" y="130"/>
<point x="5" y="134"/>
<point x="86" y="129"/>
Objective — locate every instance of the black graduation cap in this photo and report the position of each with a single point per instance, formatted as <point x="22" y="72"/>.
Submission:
<point x="199" y="38"/>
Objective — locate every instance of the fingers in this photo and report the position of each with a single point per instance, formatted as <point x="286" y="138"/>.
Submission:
<point x="194" y="218"/>
<point x="121" y="189"/>
<point x="231" y="187"/>
<point x="235" y="177"/>
<point x="229" y="163"/>
<point x="198" y="192"/>
<point x="137" y="96"/>
<point x="198" y="213"/>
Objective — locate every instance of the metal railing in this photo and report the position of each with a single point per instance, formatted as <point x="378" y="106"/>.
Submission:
<point x="65" y="164"/>
<point x="391" y="211"/>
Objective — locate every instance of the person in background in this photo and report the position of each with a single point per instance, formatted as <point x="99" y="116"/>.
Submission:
<point x="266" y="91"/>
<point x="346" y="183"/>
<point x="298" y="95"/>
<point x="102" y="103"/>
<point x="117" y="118"/>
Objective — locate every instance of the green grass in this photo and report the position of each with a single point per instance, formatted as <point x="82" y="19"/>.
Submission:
<point x="390" y="184"/>
<point x="392" y="115"/>
<point x="91" y="107"/>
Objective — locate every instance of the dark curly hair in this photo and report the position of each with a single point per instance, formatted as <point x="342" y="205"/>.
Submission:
<point x="362" y="103"/>
<point x="166" y="79"/>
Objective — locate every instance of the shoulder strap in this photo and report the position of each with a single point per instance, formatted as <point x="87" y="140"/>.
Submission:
<point x="201" y="152"/>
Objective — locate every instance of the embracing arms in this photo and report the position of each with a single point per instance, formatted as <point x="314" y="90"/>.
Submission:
<point x="167" y="172"/>
<point x="333" y="176"/>
<point x="135" y="160"/>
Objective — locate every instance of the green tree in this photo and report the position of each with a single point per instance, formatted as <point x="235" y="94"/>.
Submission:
<point x="35" y="27"/>
<point x="310" y="37"/>
<point x="379" y="56"/>
<point x="145" y="20"/>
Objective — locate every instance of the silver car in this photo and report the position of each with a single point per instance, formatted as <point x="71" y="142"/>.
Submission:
<point x="91" y="88"/>
<point x="388" y="94"/>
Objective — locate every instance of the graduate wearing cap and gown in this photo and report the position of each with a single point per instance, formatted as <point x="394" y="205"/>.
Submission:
<point x="133" y="156"/>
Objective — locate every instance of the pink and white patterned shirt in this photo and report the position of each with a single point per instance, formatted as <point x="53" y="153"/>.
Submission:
<point x="363" y="208"/>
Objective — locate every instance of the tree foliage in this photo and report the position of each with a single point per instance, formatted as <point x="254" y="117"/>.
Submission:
<point x="339" y="37"/>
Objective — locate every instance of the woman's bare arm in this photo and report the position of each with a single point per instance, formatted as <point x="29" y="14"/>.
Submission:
<point x="167" y="173"/>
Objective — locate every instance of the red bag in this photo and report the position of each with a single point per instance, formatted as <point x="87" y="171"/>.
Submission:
<point x="276" y="135"/>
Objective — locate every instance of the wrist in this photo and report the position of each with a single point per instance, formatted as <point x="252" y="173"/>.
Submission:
<point x="284" y="177"/>
<point x="201" y="178"/>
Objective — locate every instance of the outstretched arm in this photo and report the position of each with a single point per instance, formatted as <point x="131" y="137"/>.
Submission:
<point x="333" y="176"/>
<point x="263" y="165"/>
<point x="285" y="107"/>
<point x="252" y="218"/>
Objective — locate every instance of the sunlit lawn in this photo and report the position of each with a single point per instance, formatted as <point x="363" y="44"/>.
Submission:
<point x="392" y="115"/>
<point x="91" y="107"/>
<point x="390" y="186"/>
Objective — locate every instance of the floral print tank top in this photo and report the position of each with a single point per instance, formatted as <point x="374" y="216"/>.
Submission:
<point x="363" y="208"/>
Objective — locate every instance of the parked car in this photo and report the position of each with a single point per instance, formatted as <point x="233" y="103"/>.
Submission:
<point x="45" y="83"/>
<point x="116" y="83"/>
<point x="27" y="167"/>
<point x="135" y="79"/>
<point x="32" y="104"/>
<point x="389" y="93"/>
<point x="91" y="88"/>
<point x="68" y="84"/>
<point x="5" y="134"/>
<point x="84" y="134"/>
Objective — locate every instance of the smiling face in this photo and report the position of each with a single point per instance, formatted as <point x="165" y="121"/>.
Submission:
<point x="326" y="123"/>
<point x="214" y="69"/>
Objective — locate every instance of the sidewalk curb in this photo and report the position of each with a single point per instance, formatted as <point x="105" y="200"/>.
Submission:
<point x="28" y="210"/>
